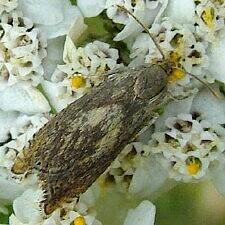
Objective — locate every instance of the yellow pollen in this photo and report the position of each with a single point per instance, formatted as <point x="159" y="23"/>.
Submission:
<point x="193" y="165"/>
<point x="174" y="57"/>
<point x="208" y="16"/>
<point x="78" y="81"/>
<point x="176" y="74"/>
<point x="79" y="221"/>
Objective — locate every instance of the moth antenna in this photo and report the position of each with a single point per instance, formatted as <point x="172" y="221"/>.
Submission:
<point x="201" y="81"/>
<point x="145" y="29"/>
<point x="205" y="84"/>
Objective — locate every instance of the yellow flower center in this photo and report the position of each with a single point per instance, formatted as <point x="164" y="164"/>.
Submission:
<point x="79" y="221"/>
<point x="193" y="165"/>
<point x="177" y="40"/>
<point x="78" y="81"/>
<point x="176" y="74"/>
<point x="208" y="16"/>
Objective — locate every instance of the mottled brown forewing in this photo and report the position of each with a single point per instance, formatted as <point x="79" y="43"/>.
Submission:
<point x="76" y="146"/>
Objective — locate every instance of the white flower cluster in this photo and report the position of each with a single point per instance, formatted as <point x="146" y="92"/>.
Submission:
<point x="22" y="50"/>
<point x="189" y="145"/>
<point x="82" y="70"/>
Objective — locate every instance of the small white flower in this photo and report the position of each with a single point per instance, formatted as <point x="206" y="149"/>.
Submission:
<point x="57" y="93"/>
<point x="178" y="44"/>
<point x="83" y="69"/>
<point x="95" y="58"/>
<point x="22" y="50"/>
<point x="210" y="19"/>
<point x="145" y="11"/>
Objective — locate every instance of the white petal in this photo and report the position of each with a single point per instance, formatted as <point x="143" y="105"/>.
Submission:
<point x="23" y="98"/>
<point x="26" y="207"/>
<point x="210" y="107"/>
<point x="71" y="14"/>
<point x="91" y="8"/>
<point x="59" y="22"/>
<point x="217" y="58"/>
<point x="133" y="27"/>
<point x="144" y="214"/>
<point x="7" y="119"/>
<point x="13" y="220"/>
<point x="217" y="176"/>
<point x="77" y="28"/>
<point x="54" y="55"/>
<point x="149" y="176"/>
<point x="69" y="51"/>
<point x="181" y="11"/>
<point x="43" y="12"/>
<point x="53" y="90"/>
<point x="9" y="189"/>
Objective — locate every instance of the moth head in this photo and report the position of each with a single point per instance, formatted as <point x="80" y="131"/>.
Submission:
<point x="150" y="82"/>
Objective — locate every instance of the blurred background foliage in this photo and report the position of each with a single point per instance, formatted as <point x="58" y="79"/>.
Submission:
<point x="4" y="219"/>
<point x="195" y="204"/>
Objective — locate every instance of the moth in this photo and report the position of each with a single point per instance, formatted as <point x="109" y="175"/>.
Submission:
<point x="77" y="145"/>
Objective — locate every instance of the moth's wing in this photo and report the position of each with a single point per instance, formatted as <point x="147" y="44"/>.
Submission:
<point x="82" y="155"/>
<point x="79" y="143"/>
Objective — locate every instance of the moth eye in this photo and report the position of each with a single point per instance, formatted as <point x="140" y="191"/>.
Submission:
<point x="150" y="82"/>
